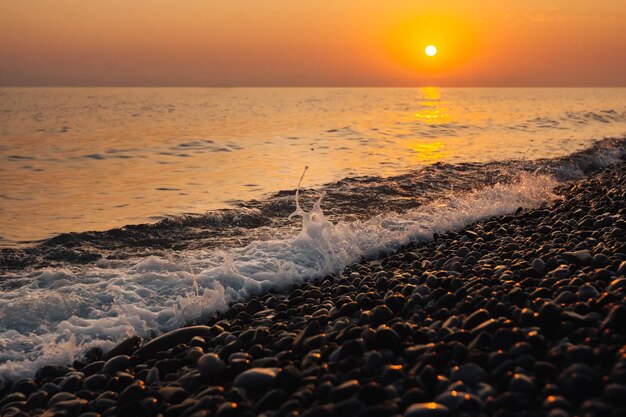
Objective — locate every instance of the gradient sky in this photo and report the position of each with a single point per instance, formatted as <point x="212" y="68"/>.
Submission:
<point x="312" y="43"/>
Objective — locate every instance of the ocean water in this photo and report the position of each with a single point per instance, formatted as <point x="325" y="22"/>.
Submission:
<point x="385" y="167"/>
<point x="75" y="159"/>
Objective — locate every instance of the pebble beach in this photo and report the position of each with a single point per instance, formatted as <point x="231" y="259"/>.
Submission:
<point x="518" y="315"/>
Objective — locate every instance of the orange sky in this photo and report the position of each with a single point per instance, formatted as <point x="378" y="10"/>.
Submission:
<point x="302" y="42"/>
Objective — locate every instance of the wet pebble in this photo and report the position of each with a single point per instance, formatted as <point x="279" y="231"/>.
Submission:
<point x="257" y="379"/>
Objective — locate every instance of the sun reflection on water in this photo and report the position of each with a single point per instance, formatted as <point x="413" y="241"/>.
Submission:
<point x="432" y="109"/>
<point x="429" y="152"/>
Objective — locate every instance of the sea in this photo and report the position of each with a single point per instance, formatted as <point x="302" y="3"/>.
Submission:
<point x="133" y="211"/>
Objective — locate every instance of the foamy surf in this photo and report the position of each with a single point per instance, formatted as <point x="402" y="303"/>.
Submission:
<point x="53" y="315"/>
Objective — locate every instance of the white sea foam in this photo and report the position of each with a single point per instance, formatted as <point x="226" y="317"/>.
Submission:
<point x="58" y="313"/>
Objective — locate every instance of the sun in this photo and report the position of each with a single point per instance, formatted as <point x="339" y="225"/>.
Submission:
<point x="431" y="50"/>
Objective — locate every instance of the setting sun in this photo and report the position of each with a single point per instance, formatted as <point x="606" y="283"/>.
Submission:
<point x="431" y="50"/>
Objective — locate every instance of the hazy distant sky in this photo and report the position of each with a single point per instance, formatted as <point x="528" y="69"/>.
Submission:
<point x="320" y="42"/>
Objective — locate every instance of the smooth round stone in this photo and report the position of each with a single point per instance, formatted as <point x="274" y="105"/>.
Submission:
<point x="456" y="400"/>
<point x="116" y="363"/>
<point x="615" y="394"/>
<point x="600" y="259"/>
<point x="596" y="407"/>
<point x="427" y="410"/>
<point x="616" y="319"/>
<point x="579" y="353"/>
<point x="386" y="337"/>
<point x="60" y="397"/>
<point x="477" y="317"/>
<point x="556" y="401"/>
<point x="580" y="257"/>
<point x="95" y="382"/>
<point x="90" y="414"/>
<point x="373" y="360"/>
<point x="586" y="292"/>
<point x="549" y="314"/>
<point x="153" y="376"/>
<point x="469" y="373"/>
<point x="344" y="391"/>
<point x="271" y="401"/>
<point x="539" y="266"/>
<point x="173" y="394"/>
<point x="211" y="365"/>
<point x="566" y="297"/>
<point x="70" y="407"/>
<point x="522" y="383"/>
<point x="133" y="392"/>
<point x="171" y="339"/>
<point x="37" y="399"/>
<point x="381" y="314"/>
<point x="194" y="353"/>
<point x="51" y="371"/>
<point x="103" y="404"/>
<point x="51" y="388"/>
<point x="349" y="407"/>
<point x="558" y="412"/>
<point x="92" y="368"/>
<point x="561" y="272"/>
<point x="617" y="284"/>
<point x="256" y="378"/>
<point x="25" y="385"/>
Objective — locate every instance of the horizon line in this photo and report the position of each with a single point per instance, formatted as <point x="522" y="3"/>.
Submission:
<point x="306" y="86"/>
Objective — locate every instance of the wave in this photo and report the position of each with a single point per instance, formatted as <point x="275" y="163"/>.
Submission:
<point x="53" y="314"/>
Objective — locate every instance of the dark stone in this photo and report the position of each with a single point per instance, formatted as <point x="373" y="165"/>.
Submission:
<point x="386" y="337"/>
<point x="115" y="364"/>
<point x="171" y="339"/>
<point x="344" y="391"/>
<point x="615" y="320"/>
<point x="127" y="347"/>
<point x="447" y="301"/>
<point x="256" y="379"/>
<point x="211" y="365"/>
<point x="173" y="394"/>
<point x="133" y="392"/>
<point x="578" y="382"/>
<point x="427" y="410"/>
<point x="51" y="371"/>
<point x="95" y="382"/>
<point x="477" y="317"/>
<point x="372" y="393"/>
<point x="381" y="314"/>
<point x="271" y="400"/>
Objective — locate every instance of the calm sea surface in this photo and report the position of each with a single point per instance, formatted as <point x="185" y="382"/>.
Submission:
<point x="76" y="159"/>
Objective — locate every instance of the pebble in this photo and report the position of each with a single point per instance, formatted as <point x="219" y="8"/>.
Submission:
<point x="581" y="257"/>
<point x="171" y="339"/>
<point x="210" y="365"/>
<point x="431" y="409"/>
<point x="539" y="266"/>
<point x="460" y="401"/>
<point x="522" y="383"/>
<point x="115" y="364"/>
<point x="469" y="373"/>
<point x="256" y="379"/>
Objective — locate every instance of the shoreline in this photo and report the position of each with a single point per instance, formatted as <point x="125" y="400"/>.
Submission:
<point x="516" y="315"/>
<point x="350" y="198"/>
